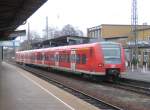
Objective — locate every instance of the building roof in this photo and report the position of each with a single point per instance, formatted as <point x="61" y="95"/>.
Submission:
<point x="100" y="26"/>
<point x="14" y="13"/>
<point x="121" y="25"/>
<point x="62" y="40"/>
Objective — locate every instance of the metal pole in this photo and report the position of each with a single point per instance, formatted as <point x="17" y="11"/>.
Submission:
<point x="14" y="47"/>
<point x="2" y="53"/>
<point x="28" y="37"/>
<point x="134" y="22"/>
<point x="46" y="27"/>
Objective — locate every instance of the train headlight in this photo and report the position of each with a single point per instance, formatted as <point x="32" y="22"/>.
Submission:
<point x="100" y="65"/>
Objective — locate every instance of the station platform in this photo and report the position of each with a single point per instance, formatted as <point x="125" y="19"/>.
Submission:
<point x="20" y="90"/>
<point x="140" y="74"/>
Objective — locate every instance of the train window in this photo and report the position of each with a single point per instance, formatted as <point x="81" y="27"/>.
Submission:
<point x="78" y="58"/>
<point x="74" y="58"/>
<point x="57" y="57"/>
<point x="71" y="58"/>
<point x="37" y="57"/>
<point x="32" y="57"/>
<point x="112" y="54"/>
<point x="60" y="57"/>
<point x="51" y="57"/>
<point x="46" y="57"/>
<point x="68" y="58"/>
<point x="41" y="57"/>
<point x="83" y="59"/>
<point x="63" y="57"/>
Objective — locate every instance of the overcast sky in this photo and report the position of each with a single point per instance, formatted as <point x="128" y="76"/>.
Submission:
<point x="83" y="14"/>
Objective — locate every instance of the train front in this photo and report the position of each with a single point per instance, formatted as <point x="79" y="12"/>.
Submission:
<point x="114" y="59"/>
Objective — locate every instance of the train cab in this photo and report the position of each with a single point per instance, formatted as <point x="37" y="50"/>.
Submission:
<point x="114" y="59"/>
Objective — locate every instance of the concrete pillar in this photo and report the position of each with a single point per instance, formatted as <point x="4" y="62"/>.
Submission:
<point x="1" y="53"/>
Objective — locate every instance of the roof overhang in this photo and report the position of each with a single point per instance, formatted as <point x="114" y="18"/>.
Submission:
<point x="15" y="13"/>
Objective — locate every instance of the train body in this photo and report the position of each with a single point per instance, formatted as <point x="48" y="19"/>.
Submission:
<point x="102" y="58"/>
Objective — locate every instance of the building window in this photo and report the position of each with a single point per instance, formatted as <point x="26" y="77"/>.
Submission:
<point x="99" y="33"/>
<point x="93" y="34"/>
<point x="96" y="35"/>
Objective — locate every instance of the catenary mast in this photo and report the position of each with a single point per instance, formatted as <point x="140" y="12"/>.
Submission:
<point x="134" y="23"/>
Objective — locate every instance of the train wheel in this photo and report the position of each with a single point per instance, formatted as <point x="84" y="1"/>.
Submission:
<point x="112" y="75"/>
<point x="48" y="68"/>
<point x="86" y="76"/>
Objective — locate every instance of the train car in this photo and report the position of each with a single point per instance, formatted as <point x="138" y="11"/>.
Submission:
<point x="96" y="59"/>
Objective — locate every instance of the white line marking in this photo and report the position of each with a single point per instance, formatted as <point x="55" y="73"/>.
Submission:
<point x="47" y="91"/>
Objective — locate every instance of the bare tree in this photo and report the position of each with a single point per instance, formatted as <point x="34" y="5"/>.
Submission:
<point x="27" y="44"/>
<point x="57" y="33"/>
<point x="34" y="36"/>
<point x="52" y="33"/>
<point x="79" y="32"/>
<point x="70" y="30"/>
<point x="24" y="45"/>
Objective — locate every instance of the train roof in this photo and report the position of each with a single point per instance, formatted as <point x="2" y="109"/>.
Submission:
<point x="68" y="47"/>
<point x="110" y="43"/>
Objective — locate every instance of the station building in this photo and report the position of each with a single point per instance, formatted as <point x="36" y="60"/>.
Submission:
<point x="124" y="35"/>
<point x="61" y="41"/>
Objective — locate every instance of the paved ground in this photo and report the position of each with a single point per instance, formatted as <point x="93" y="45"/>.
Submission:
<point x="138" y="74"/>
<point x="19" y="90"/>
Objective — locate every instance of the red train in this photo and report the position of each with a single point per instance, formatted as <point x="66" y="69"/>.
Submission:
<point x="104" y="58"/>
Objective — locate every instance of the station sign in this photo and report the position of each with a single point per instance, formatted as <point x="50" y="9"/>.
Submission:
<point x="10" y="43"/>
<point x="18" y="33"/>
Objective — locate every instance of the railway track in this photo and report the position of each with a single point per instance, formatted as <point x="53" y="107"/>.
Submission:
<point x="135" y="86"/>
<point x="140" y="87"/>
<point x="80" y="94"/>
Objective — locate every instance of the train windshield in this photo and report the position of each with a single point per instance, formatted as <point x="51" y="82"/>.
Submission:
<point x="112" y="54"/>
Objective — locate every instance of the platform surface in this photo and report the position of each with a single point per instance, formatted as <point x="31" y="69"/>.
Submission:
<point x="20" y="90"/>
<point x="140" y="74"/>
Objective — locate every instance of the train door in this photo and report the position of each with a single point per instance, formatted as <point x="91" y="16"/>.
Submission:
<point x="43" y="58"/>
<point x="36" y="58"/>
<point x="73" y="60"/>
<point x="57" y="59"/>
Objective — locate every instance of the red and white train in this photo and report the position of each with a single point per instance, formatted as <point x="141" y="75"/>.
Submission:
<point x="102" y="58"/>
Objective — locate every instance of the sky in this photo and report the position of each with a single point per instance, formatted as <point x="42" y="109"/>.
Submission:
<point x="83" y="14"/>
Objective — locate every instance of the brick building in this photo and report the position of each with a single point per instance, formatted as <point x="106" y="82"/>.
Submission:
<point x="124" y="35"/>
